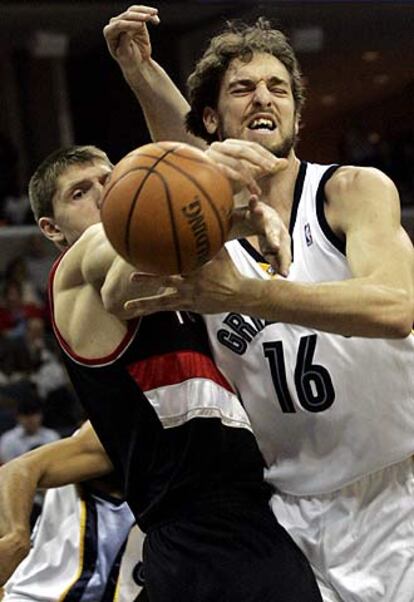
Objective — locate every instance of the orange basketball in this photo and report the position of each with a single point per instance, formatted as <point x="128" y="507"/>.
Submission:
<point x="166" y="208"/>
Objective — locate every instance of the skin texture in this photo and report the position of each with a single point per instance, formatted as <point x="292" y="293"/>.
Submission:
<point x="262" y="83"/>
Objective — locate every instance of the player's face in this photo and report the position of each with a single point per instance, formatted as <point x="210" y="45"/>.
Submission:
<point x="256" y="103"/>
<point x="78" y="198"/>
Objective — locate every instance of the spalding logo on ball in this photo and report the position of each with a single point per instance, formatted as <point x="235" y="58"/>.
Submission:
<point x="167" y="208"/>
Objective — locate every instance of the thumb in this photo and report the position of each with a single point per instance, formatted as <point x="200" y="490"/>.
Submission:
<point x="281" y="164"/>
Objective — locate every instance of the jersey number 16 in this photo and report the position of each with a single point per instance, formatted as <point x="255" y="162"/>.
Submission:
<point x="313" y="383"/>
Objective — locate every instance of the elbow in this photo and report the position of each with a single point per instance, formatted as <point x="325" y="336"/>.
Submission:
<point x="402" y="328"/>
<point x="399" y="329"/>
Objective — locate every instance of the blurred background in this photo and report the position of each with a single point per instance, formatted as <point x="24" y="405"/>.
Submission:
<point x="58" y="86"/>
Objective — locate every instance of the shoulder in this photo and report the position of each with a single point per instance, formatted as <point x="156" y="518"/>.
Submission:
<point x="356" y="195"/>
<point x="10" y="444"/>
<point x="349" y="179"/>
<point x="12" y="434"/>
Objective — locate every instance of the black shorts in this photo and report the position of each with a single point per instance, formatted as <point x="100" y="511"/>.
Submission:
<point x="228" y="553"/>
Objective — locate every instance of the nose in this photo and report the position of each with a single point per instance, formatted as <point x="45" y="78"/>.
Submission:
<point x="262" y="96"/>
<point x="99" y="194"/>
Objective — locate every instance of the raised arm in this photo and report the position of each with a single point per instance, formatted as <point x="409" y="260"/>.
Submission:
<point x="164" y="106"/>
<point x="69" y="460"/>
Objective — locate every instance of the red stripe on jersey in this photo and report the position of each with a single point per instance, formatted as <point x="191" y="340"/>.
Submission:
<point x="173" y="368"/>
<point x="97" y="361"/>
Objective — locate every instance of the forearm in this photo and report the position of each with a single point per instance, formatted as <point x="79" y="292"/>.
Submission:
<point x="66" y="461"/>
<point x="163" y="105"/>
<point x="52" y="465"/>
<point x="17" y="490"/>
<point x="355" y="307"/>
<point x="18" y="484"/>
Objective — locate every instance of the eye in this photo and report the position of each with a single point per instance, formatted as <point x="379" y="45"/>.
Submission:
<point x="77" y="194"/>
<point x="277" y="90"/>
<point x="240" y="90"/>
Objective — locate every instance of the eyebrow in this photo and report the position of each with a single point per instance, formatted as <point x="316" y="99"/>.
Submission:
<point x="74" y="185"/>
<point x="83" y="182"/>
<point x="246" y="81"/>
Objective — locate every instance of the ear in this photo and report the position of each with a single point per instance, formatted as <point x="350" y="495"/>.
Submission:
<point x="297" y="124"/>
<point x="52" y="231"/>
<point x="210" y="120"/>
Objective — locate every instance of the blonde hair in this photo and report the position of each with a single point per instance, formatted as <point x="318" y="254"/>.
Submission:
<point x="42" y="185"/>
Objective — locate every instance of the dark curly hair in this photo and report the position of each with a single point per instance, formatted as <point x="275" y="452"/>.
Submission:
<point x="237" y="41"/>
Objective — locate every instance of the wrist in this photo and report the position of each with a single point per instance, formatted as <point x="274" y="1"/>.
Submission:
<point x="251" y="296"/>
<point x="255" y="299"/>
<point x="143" y="76"/>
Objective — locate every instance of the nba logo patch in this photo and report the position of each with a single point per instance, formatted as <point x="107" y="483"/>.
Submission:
<point x="308" y="235"/>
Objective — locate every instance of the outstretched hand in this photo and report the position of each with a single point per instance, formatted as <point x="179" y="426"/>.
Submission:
<point x="244" y="162"/>
<point x="214" y="288"/>
<point x="128" y="39"/>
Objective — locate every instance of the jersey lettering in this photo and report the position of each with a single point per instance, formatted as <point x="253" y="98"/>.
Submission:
<point x="243" y="332"/>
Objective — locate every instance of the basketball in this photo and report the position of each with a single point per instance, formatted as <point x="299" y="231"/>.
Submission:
<point x="167" y="208"/>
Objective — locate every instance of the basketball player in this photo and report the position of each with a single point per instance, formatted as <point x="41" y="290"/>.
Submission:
<point x="325" y="366"/>
<point x="85" y="544"/>
<point x="191" y="470"/>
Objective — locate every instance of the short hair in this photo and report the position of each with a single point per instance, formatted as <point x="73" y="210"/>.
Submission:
<point x="30" y="406"/>
<point x="42" y="185"/>
<point x="237" y="41"/>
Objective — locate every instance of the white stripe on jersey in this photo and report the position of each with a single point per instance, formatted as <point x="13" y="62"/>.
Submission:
<point x="203" y="399"/>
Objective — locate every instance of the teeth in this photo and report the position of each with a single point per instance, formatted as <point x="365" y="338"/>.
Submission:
<point x="262" y="122"/>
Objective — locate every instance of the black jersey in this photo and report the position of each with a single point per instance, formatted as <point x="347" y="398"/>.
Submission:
<point x="168" y="419"/>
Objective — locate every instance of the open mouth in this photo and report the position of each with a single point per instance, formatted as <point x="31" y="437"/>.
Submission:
<point x="263" y="124"/>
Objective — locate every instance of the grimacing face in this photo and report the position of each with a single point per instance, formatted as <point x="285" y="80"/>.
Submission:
<point x="256" y="104"/>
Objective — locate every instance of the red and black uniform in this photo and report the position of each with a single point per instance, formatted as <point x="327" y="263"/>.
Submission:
<point x="192" y="472"/>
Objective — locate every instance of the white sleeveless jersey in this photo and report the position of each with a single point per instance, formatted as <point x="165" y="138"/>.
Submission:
<point x="84" y="549"/>
<point x="326" y="409"/>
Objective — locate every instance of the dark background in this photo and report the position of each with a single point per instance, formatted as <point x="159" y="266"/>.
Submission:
<point x="358" y="59"/>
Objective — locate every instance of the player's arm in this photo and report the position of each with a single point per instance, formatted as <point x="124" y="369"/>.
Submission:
<point x="69" y="460"/>
<point x="377" y="301"/>
<point x="92" y="283"/>
<point x="163" y="104"/>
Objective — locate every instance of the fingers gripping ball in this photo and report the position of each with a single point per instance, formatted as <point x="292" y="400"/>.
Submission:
<point x="167" y="208"/>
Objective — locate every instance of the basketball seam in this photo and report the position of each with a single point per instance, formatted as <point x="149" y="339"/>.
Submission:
<point x="177" y="154"/>
<point x="132" y="208"/>
<point x="172" y="221"/>
<point x="207" y="196"/>
<point x="135" y="198"/>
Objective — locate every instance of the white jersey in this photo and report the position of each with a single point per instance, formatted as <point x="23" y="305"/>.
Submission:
<point x="81" y="551"/>
<point x="326" y="409"/>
